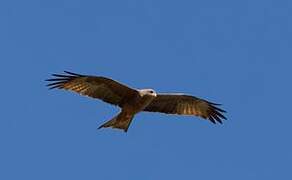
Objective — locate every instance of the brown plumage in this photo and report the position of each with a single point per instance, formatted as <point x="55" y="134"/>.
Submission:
<point x="186" y="105"/>
<point x="132" y="101"/>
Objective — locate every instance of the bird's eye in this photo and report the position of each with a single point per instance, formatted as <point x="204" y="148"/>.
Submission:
<point x="151" y="92"/>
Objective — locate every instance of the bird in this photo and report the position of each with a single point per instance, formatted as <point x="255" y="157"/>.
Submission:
<point x="132" y="101"/>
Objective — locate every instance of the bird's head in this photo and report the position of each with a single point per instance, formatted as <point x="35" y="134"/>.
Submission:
<point x="149" y="92"/>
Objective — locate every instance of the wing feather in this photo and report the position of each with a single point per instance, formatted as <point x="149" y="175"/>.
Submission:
<point x="102" y="88"/>
<point x="186" y="105"/>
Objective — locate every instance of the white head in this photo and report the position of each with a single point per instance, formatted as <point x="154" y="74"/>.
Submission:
<point x="149" y="92"/>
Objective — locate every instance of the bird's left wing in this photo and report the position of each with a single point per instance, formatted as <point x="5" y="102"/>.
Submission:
<point x="102" y="88"/>
<point x="186" y="105"/>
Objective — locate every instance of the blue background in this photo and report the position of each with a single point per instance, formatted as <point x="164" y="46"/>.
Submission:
<point x="237" y="53"/>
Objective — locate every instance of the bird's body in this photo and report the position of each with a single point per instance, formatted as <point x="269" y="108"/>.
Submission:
<point x="132" y="101"/>
<point x="140" y="101"/>
<point x="134" y="106"/>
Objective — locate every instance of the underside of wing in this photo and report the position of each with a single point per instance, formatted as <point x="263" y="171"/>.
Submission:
<point x="186" y="105"/>
<point x="102" y="88"/>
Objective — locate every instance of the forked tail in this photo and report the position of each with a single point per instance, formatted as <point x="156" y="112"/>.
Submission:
<point x="121" y="121"/>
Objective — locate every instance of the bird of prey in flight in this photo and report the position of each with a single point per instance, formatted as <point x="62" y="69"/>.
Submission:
<point x="132" y="101"/>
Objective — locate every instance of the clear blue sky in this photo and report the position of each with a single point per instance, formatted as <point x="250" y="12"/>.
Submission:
<point x="237" y="53"/>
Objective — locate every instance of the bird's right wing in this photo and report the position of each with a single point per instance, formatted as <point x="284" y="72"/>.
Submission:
<point x="186" y="105"/>
<point x="105" y="89"/>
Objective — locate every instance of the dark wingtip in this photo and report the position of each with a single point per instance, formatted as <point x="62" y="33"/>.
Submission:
<point x="212" y="120"/>
<point x="71" y="73"/>
<point x="61" y="78"/>
<point x="53" y="87"/>
<point x="222" y="116"/>
<point x="216" y="114"/>
<point x="57" y="79"/>
<point x="217" y="119"/>
<point x="218" y="109"/>
<point x="61" y="75"/>
<point x="215" y="104"/>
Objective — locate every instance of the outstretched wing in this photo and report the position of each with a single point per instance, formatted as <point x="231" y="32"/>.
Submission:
<point x="102" y="88"/>
<point x="186" y="105"/>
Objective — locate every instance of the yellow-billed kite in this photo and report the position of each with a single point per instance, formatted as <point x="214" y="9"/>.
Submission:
<point x="132" y="101"/>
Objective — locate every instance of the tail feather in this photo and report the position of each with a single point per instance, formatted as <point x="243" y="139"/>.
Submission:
<point x="121" y="121"/>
